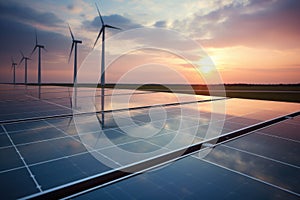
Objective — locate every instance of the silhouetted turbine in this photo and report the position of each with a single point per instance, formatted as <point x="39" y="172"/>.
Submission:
<point x="25" y="61"/>
<point x="102" y="30"/>
<point x="39" y="46"/>
<point x="13" y="67"/>
<point x="74" y="43"/>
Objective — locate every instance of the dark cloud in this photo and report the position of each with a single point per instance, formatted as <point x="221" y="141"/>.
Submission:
<point x="15" y="36"/>
<point x="160" y="24"/>
<point x="17" y="25"/>
<point x="114" y="20"/>
<point x="70" y="6"/>
<point x="28" y="15"/>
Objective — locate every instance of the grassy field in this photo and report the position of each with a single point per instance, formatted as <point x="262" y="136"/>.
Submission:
<point x="279" y="92"/>
<point x="288" y="93"/>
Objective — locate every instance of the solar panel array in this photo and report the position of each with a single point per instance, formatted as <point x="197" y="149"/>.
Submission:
<point x="44" y="148"/>
<point x="261" y="165"/>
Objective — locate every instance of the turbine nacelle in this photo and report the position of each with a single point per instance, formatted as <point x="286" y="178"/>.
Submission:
<point x="23" y="58"/>
<point x="77" y="41"/>
<point x="13" y="63"/>
<point x="40" y="46"/>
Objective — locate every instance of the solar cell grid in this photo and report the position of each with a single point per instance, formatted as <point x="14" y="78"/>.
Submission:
<point x="35" y="107"/>
<point x="250" y="163"/>
<point x="71" y="146"/>
<point x="188" y="178"/>
<point x="287" y="130"/>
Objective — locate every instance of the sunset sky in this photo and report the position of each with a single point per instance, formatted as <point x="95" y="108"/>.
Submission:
<point x="250" y="41"/>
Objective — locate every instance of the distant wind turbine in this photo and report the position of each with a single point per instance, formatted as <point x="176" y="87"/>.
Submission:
<point x="13" y="67"/>
<point x="39" y="46"/>
<point x="74" y="43"/>
<point x="25" y="61"/>
<point x="102" y="30"/>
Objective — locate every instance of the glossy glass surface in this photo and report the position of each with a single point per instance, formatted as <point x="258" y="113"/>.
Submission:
<point x="188" y="178"/>
<point x="255" y="166"/>
<point x="288" y="129"/>
<point x="60" y="150"/>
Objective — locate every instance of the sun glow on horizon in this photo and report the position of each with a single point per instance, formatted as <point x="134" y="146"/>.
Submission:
<point x="206" y="65"/>
<point x="246" y="41"/>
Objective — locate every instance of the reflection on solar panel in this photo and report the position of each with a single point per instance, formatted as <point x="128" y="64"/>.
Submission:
<point x="155" y="145"/>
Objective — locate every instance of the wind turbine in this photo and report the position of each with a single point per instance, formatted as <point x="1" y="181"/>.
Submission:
<point x="25" y="61"/>
<point x="40" y="47"/>
<point x="74" y="43"/>
<point x="102" y="30"/>
<point x="13" y="67"/>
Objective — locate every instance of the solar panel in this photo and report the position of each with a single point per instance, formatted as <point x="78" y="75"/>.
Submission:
<point x="233" y="170"/>
<point x="181" y="180"/>
<point x="46" y="148"/>
<point x="26" y="103"/>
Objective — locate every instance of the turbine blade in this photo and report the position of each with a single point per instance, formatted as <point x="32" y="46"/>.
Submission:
<point x="21" y="60"/>
<point x="12" y="60"/>
<point x="71" y="51"/>
<point x="109" y="26"/>
<point x="99" y="120"/>
<point x="33" y="50"/>
<point x="36" y="37"/>
<point x="71" y="105"/>
<point x="45" y="49"/>
<point x="70" y="120"/>
<point x="22" y="53"/>
<point x="99" y="14"/>
<point x="98" y="36"/>
<point x="71" y="32"/>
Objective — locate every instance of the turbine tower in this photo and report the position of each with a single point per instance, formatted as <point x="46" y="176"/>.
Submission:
<point x="25" y="61"/>
<point x="102" y="30"/>
<point x="40" y="47"/>
<point x="74" y="43"/>
<point x="13" y="67"/>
